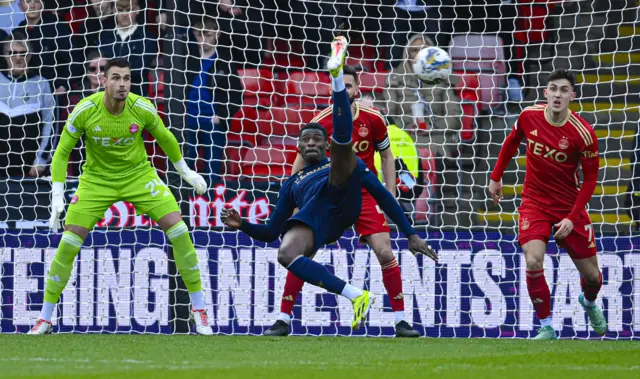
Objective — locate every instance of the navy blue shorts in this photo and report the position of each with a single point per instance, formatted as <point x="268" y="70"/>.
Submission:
<point x="331" y="212"/>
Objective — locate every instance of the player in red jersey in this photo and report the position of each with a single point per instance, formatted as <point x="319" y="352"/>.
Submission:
<point x="558" y="143"/>
<point x="369" y="136"/>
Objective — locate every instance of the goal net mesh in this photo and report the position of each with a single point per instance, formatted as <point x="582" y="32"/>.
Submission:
<point x="236" y="80"/>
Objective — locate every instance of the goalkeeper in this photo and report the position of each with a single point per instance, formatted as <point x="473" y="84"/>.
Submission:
<point x="118" y="169"/>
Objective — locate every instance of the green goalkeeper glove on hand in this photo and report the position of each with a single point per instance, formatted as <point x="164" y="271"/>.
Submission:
<point x="193" y="178"/>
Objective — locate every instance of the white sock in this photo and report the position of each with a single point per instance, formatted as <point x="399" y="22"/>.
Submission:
<point x="588" y="303"/>
<point x="338" y="83"/>
<point x="197" y="300"/>
<point x="285" y="317"/>
<point x="351" y="292"/>
<point x="399" y="316"/>
<point x="47" y="311"/>
<point x="546" y="322"/>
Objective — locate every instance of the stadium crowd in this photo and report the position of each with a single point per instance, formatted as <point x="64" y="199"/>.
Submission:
<point x="251" y="73"/>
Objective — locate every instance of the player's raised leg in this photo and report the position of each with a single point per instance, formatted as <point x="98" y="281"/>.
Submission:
<point x="591" y="282"/>
<point x="298" y="244"/>
<point x="187" y="262"/>
<point x="538" y="288"/>
<point x="343" y="160"/>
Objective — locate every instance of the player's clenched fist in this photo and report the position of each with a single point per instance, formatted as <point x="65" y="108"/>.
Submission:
<point x="230" y="217"/>
<point x="418" y="246"/>
<point x="193" y="178"/>
<point x="495" y="189"/>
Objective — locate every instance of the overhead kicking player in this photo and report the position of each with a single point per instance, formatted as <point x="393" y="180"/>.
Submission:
<point x="558" y="143"/>
<point x="369" y="136"/>
<point x="329" y="197"/>
<point x="118" y="169"/>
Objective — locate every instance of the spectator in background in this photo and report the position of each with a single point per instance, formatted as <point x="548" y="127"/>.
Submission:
<point x="408" y="17"/>
<point x="130" y="40"/>
<point x="213" y="96"/>
<point x="90" y="84"/>
<point x="88" y="20"/>
<point x="26" y="112"/>
<point x="53" y="51"/>
<point x="431" y="112"/>
<point x="10" y="16"/>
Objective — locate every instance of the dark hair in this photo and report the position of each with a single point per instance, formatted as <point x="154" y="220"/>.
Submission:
<point x="350" y="70"/>
<point x="562" y="73"/>
<point x="315" y="126"/>
<point x="117" y="62"/>
<point x="206" y="22"/>
<point x="19" y="37"/>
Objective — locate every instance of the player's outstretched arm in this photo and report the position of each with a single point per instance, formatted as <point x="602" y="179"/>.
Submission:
<point x="170" y="146"/>
<point x="68" y="140"/>
<point x="270" y="231"/>
<point x="508" y="150"/>
<point x="390" y="206"/>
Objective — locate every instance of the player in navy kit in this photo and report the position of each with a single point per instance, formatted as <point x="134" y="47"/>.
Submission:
<point x="329" y="197"/>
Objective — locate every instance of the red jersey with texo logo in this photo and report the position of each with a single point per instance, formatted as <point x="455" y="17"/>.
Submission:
<point x="369" y="132"/>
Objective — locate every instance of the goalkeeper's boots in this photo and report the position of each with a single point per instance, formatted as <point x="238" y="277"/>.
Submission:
<point x="338" y="55"/>
<point x="361" y="307"/>
<point x="41" y="327"/>
<point x="546" y="333"/>
<point x="598" y="322"/>
<point x="201" y="320"/>
<point x="404" y="330"/>
<point x="278" y="329"/>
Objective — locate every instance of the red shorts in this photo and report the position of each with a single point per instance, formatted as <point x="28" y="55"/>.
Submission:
<point x="536" y="224"/>
<point x="372" y="220"/>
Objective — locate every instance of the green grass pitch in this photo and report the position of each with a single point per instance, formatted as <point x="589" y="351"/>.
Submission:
<point x="176" y="357"/>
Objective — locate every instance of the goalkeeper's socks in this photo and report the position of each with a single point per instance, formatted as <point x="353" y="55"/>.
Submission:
<point x="539" y="293"/>
<point x="197" y="300"/>
<point x="314" y="273"/>
<point x="61" y="267"/>
<point x="342" y="121"/>
<point x="47" y="311"/>
<point x="185" y="255"/>
<point x="591" y="290"/>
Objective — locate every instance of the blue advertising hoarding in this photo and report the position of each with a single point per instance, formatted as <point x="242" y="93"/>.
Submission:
<point x="121" y="284"/>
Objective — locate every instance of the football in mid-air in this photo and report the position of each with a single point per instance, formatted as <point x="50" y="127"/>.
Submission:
<point x="432" y="65"/>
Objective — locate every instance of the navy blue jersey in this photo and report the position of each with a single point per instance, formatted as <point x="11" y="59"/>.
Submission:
<point x="327" y="209"/>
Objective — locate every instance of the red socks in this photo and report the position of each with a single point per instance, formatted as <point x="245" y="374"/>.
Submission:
<point x="390" y="277"/>
<point x="539" y="293"/>
<point x="591" y="290"/>
<point x="292" y="287"/>
<point x="393" y="284"/>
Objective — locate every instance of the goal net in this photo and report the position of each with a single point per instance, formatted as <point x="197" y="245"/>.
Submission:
<point x="236" y="80"/>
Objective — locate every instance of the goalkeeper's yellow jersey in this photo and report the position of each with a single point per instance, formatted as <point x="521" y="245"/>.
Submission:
<point x="114" y="144"/>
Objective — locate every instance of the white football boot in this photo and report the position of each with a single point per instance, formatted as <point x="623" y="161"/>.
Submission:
<point x="201" y="320"/>
<point x="41" y="327"/>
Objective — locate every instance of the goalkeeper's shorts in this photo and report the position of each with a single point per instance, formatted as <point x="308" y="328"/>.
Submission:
<point x="95" y="195"/>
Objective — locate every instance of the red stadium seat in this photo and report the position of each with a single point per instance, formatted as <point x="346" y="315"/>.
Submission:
<point x="467" y="90"/>
<point x="233" y="154"/>
<point x="245" y="125"/>
<point x="265" y="163"/>
<point x="258" y="87"/>
<point x="373" y="82"/>
<point x="309" y="89"/>
<point x="288" y="121"/>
